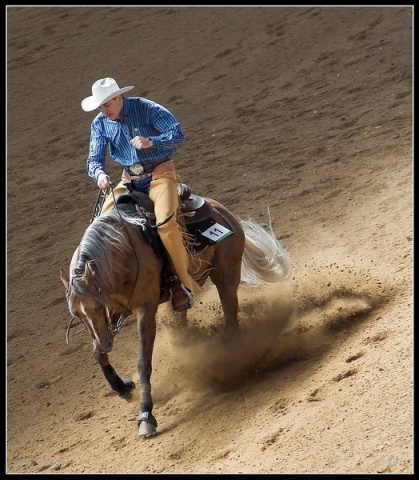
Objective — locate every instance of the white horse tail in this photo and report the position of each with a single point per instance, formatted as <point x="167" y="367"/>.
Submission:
<point x="264" y="260"/>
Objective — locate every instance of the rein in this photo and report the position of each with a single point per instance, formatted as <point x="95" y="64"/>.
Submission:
<point x="97" y="209"/>
<point x="67" y="332"/>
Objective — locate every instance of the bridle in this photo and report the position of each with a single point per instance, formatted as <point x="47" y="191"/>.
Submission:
<point x="113" y="329"/>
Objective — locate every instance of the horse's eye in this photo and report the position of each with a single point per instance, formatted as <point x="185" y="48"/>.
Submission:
<point x="98" y="308"/>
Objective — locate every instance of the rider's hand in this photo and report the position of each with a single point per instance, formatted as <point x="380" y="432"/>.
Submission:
<point x="103" y="180"/>
<point x="140" y="142"/>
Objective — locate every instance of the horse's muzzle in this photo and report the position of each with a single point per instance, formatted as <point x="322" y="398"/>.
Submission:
<point x="105" y="346"/>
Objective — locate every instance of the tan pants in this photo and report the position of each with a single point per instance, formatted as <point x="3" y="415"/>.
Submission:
<point x="164" y="194"/>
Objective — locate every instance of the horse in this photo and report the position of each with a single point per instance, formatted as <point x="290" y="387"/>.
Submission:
<point x="118" y="269"/>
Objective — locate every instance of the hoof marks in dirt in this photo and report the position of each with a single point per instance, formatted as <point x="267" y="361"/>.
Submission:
<point x="271" y="440"/>
<point x="352" y="358"/>
<point x="314" y="396"/>
<point x="347" y="374"/>
<point x="376" y="338"/>
<point x="84" y="416"/>
<point x="47" y="383"/>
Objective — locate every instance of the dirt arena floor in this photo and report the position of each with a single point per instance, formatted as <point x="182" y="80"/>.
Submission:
<point x="301" y="115"/>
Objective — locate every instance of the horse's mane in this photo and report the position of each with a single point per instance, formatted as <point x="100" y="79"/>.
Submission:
<point x="105" y="238"/>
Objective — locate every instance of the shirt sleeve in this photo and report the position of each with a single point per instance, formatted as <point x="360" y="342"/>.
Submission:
<point x="97" y="151"/>
<point x="171" y="136"/>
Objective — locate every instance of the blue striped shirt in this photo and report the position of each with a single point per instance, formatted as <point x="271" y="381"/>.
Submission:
<point x="139" y="116"/>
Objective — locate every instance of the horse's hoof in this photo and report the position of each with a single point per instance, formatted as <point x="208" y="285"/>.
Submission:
<point x="231" y="332"/>
<point x="146" y="430"/>
<point x="129" y="386"/>
<point x="147" y="425"/>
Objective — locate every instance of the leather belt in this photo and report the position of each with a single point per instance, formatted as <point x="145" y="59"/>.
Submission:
<point x="142" y="175"/>
<point x="139" y="169"/>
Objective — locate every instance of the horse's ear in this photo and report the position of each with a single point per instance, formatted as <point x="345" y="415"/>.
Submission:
<point x="64" y="278"/>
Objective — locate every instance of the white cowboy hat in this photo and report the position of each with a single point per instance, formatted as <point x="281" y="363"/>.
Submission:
<point x="103" y="90"/>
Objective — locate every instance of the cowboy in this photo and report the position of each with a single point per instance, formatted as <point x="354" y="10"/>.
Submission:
<point x="142" y="136"/>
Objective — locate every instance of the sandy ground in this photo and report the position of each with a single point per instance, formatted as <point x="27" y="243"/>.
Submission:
<point x="301" y="114"/>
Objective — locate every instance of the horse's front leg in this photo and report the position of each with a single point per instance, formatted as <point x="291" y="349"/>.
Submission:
<point x="122" y="387"/>
<point x="146" y="322"/>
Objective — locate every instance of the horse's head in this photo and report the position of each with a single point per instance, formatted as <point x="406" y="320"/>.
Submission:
<point x="84" y="303"/>
<point x="99" y="276"/>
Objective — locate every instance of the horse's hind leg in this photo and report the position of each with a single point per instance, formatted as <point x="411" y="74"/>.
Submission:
<point x="122" y="387"/>
<point x="227" y="284"/>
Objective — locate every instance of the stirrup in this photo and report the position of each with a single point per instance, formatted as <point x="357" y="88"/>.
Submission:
<point x="188" y="293"/>
<point x="185" y="302"/>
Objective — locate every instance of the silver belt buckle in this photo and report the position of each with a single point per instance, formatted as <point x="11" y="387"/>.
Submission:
<point x="137" y="168"/>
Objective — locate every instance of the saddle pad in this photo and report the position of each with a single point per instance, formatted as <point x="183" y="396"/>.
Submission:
<point x="217" y="228"/>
